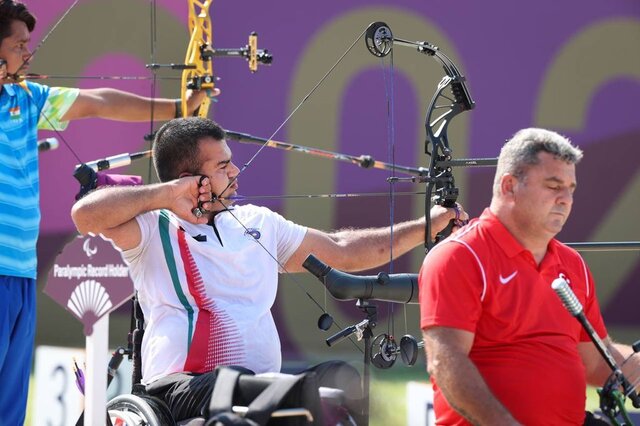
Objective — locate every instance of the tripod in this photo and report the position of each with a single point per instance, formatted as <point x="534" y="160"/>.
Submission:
<point x="362" y="330"/>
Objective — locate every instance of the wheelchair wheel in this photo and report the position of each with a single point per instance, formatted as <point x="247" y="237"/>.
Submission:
<point x="134" y="410"/>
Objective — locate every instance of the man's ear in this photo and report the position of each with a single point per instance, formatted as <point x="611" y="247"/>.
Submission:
<point x="3" y="68"/>
<point x="508" y="184"/>
<point x="184" y="174"/>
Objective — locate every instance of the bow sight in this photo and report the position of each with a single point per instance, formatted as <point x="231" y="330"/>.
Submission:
<point x="250" y="52"/>
<point x="197" y="70"/>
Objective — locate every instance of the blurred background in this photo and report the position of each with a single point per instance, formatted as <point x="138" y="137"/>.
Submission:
<point x="573" y="67"/>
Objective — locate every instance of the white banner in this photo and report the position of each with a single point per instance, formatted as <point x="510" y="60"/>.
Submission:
<point x="420" y="404"/>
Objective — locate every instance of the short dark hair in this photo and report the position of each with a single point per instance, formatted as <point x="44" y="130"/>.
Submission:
<point x="14" y="11"/>
<point x="175" y="147"/>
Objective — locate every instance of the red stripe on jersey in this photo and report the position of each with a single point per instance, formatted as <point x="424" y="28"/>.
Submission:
<point x="215" y="338"/>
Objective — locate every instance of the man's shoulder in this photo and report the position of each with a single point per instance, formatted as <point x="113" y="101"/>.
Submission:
<point x="251" y="210"/>
<point x="33" y="89"/>
<point x="34" y="85"/>
<point x="477" y="232"/>
<point x="472" y="243"/>
<point x="467" y="239"/>
<point x="566" y="253"/>
<point x="152" y="217"/>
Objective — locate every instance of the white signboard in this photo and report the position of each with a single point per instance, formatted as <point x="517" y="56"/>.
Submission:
<point x="58" y="402"/>
<point x="420" y="404"/>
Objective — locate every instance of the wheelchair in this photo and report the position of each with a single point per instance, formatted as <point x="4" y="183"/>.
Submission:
<point x="141" y="409"/>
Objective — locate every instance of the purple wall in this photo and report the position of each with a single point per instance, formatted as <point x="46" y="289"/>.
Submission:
<point x="544" y="63"/>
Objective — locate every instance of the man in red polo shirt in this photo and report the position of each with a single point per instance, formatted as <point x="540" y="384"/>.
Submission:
<point x="502" y="348"/>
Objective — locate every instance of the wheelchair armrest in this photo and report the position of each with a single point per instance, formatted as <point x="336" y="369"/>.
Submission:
<point x="332" y="396"/>
<point x="282" y="412"/>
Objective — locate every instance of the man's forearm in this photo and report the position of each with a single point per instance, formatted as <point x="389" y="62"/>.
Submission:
<point x="107" y="208"/>
<point x="629" y="363"/>
<point x="134" y="108"/>
<point x="467" y="392"/>
<point x="371" y="247"/>
<point x="118" y="105"/>
<point x="122" y="106"/>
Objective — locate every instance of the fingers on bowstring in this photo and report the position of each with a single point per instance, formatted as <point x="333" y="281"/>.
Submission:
<point x="204" y="184"/>
<point x="205" y="203"/>
<point x="204" y="189"/>
<point x="205" y="199"/>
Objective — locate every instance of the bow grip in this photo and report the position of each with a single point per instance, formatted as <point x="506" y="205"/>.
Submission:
<point x="447" y="199"/>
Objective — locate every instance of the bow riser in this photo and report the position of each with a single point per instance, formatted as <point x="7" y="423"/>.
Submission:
<point x="441" y="188"/>
<point x="199" y="75"/>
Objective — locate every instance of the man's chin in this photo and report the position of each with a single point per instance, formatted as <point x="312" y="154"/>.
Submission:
<point x="555" y="226"/>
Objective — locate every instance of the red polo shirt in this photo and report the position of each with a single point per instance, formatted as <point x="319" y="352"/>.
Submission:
<point x="483" y="281"/>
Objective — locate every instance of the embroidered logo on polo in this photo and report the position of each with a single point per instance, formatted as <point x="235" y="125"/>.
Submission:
<point x="14" y="113"/>
<point x="507" y="279"/>
<point x="253" y="232"/>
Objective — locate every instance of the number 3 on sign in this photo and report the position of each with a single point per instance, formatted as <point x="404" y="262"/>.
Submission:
<point x="58" y="402"/>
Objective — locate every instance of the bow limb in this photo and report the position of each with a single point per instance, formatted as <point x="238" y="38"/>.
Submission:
<point x="198" y="72"/>
<point x="441" y="187"/>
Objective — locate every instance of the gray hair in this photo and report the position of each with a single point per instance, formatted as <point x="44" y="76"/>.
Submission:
<point x="521" y="151"/>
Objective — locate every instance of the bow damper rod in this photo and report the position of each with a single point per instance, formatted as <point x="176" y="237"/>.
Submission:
<point x="573" y="305"/>
<point x="400" y="288"/>
<point x="115" y="161"/>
